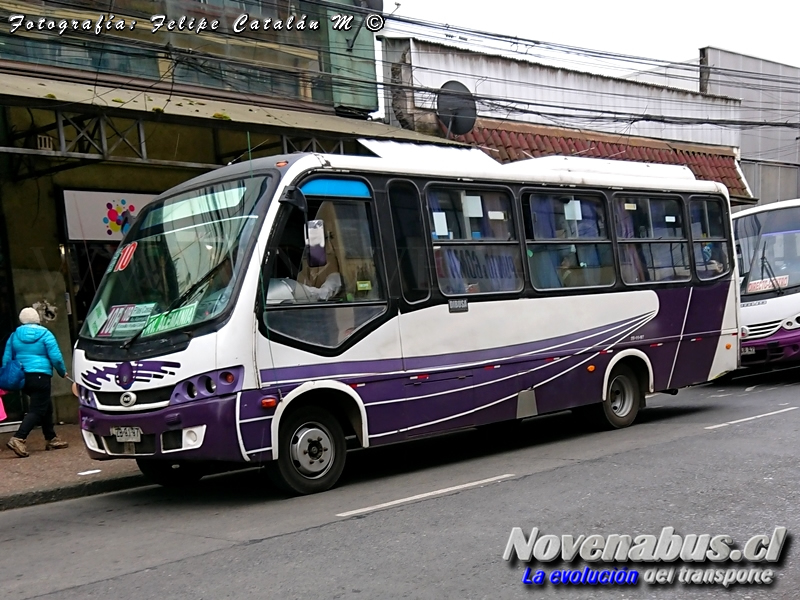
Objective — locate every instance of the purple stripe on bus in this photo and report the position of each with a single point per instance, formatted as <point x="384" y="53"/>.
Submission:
<point x="125" y="374"/>
<point x="399" y="407"/>
<point x="707" y="309"/>
<point x="567" y="344"/>
<point x="698" y="347"/>
<point x="256" y="435"/>
<point x="782" y="345"/>
<point x="250" y="404"/>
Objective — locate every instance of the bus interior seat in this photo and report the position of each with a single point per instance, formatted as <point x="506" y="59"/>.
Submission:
<point x="352" y="270"/>
<point x="316" y="276"/>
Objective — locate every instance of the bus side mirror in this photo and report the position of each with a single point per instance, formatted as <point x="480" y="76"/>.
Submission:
<point x="295" y="197"/>
<point x="316" y="244"/>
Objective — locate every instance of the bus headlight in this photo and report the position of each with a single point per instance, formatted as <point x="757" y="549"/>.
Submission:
<point x="745" y="332"/>
<point x="792" y="323"/>
<point x="209" y="385"/>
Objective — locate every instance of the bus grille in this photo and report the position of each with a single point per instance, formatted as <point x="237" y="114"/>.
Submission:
<point x="144" y="398"/>
<point x="762" y="330"/>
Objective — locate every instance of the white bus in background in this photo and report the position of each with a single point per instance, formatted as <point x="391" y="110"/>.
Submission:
<point x="768" y="256"/>
<point x="261" y="313"/>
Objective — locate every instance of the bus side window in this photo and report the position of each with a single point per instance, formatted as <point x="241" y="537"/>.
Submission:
<point x="346" y="289"/>
<point x="475" y="246"/>
<point x="653" y="244"/>
<point x="567" y="241"/>
<point x="409" y="237"/>
<point x="710" y="244"/>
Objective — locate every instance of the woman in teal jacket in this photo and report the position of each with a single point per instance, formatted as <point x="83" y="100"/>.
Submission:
<point x="36" y="349"/>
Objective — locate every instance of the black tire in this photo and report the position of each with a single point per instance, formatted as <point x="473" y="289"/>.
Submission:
<point x="609" y="414"/>
<point x="623" y="397"/>
<point x="171" y="473"/>
<point x="314" y="436"/>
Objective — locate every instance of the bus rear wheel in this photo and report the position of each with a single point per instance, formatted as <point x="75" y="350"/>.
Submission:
<point x="623" y="397"/>
<point x="311" y="452"/>
<point x="621" y="406"/>
<point x="170" y="473"/>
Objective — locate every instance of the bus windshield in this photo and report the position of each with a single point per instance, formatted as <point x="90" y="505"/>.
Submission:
<point x="179" y="265"/>
<point x="768" y="248"/>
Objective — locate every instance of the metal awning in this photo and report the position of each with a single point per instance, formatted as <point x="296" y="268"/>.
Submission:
<point x="50" y="94"/>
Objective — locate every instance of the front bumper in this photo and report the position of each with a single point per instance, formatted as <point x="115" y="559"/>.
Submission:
<point x="201" y="430"/>
<point x="782" y="346"/>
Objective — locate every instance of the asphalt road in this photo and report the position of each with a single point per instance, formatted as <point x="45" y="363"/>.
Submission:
<point x="235" y="537"/>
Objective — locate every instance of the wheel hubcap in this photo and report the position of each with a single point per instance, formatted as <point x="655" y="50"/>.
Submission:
<point x="621" y="395"/>
<point x="312" y="450"/>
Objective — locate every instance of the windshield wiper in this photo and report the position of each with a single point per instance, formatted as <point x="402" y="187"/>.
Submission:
<point x="765" y="265"/>
<point x="191" y="290"/>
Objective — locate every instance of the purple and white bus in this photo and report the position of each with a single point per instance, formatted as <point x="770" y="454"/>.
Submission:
<point x="274" y="312"/>
<point x="768" y="252"/>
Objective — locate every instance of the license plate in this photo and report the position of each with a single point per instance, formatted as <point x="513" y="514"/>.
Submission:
<point x="748" y="350"/>
<point x="127" y="434"/>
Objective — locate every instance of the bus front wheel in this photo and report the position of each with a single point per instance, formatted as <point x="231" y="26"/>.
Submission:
<point x="312" y="450"/>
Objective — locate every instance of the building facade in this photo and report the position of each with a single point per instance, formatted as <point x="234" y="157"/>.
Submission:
<point x="101" y="111"/>
<point x="769" y="96"/>
<point x="527" y="110"/>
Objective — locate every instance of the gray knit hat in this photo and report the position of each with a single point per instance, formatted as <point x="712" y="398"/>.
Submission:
<point x="28" y="315"/>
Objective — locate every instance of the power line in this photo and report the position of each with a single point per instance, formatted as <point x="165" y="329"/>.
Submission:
<point x="366" y="88"/>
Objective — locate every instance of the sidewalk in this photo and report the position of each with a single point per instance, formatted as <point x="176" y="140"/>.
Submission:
<point x="59" y="474"/>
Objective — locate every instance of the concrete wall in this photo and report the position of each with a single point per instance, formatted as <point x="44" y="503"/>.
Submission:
<point x="37" y="268"/>
<point x="546" y="95"/>
<point x="769" y="94"/>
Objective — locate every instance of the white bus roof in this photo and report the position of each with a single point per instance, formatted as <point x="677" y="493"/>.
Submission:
<point x="472" y="163"/>
<point x="768" y="207"/>
<point x="581" y="164"/>
<point x="468" y="163"/>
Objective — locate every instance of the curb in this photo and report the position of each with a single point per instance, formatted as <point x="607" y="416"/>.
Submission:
<point x="69" y="492"/>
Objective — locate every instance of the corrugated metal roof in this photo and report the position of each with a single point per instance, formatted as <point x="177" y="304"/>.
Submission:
<point x="468" y="46"/>
<point x="65" y="95"/>
<point x="508" y="142"/>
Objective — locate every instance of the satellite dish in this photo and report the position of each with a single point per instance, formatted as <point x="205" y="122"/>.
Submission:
<point x="455" y="108"/>
<point x="373" y="5"/>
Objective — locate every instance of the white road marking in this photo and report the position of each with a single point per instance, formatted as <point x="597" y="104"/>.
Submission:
<point x="751" y="418"/>
<point x="751" y="388"/>
<point x="455" y="488"/>
<point x="719" y="395"/>
<point x="92" y="472"/>
<point x="783" y="404"/>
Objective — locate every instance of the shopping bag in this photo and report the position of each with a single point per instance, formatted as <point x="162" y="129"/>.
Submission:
<point x="12" y="377"/>
<point x="3" y="414"/>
